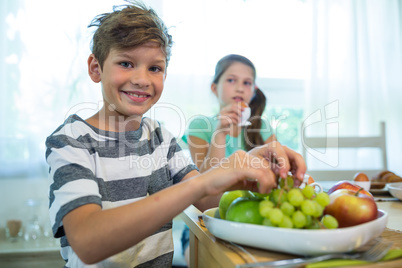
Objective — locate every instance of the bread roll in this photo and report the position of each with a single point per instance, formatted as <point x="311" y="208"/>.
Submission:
<point x="378" y="176"/>
<point x="394" y="178"/>
<point x="386" y="177"/>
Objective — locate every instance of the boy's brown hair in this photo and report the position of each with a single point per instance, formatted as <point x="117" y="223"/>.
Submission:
<point x="129" y="26"/>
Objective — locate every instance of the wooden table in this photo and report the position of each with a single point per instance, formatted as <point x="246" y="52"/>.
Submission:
<point x="208" y="251"/>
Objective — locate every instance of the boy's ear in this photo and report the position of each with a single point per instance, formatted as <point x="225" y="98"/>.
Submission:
<point x="94" y="68"/>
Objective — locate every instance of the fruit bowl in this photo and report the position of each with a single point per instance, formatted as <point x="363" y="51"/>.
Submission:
<point x="295" y="241"/>
<point x="395" y="189"/>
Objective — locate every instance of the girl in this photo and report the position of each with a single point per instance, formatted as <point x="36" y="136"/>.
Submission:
<point x="212" y="138"/>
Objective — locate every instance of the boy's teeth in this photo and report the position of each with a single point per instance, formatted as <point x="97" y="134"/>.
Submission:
<point x="137" y="96"/>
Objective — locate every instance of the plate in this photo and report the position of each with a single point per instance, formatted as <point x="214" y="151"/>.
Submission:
<point x="295" y="241"/>
<point x="383" y="191"/>
<point x="395" y="189"/>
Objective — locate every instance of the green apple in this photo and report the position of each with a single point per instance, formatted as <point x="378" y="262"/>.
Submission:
<point x="228" y="197"/>
<point x="245" y="210"/>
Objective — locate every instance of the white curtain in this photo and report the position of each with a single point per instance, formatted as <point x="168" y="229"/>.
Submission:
<point x="355" y="57"/>
<point x="356" y="71"/>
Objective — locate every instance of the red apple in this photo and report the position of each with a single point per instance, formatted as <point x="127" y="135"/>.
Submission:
<point x="350" y="186"/>
<point x="351" y="208"/>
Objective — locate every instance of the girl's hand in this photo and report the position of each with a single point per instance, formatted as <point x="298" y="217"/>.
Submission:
<point x="228" y="116"/>
<point x="282" y="159"/>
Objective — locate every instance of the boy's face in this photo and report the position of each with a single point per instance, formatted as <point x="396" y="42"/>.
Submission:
<point x="132" y="80"/>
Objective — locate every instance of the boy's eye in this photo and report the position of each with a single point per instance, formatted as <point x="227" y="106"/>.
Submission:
<point x="230" y="80"/>
<point x="155" y="69"/>
<point x="125" y="64"/>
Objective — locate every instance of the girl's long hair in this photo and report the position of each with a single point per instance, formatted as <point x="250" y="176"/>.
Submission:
<point x="257" y="104"/>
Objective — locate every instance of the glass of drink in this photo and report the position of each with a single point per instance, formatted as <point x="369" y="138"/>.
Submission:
<point x="13" y="229"/>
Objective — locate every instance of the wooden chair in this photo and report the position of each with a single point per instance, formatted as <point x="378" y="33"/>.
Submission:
<point x="328" y="172"/>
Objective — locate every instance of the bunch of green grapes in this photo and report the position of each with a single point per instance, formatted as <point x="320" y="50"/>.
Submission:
<point x="291" y="207"/>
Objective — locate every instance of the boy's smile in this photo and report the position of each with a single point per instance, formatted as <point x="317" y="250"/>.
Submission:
<point x="132" y="81"/>
<point x="138" y="96"/>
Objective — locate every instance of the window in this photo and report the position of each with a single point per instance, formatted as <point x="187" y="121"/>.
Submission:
<point x="43" y="75"/>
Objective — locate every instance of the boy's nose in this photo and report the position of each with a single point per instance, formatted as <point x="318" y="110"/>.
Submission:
<point x="140" y="79"/>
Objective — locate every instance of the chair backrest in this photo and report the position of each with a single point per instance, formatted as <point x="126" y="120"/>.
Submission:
<point x="327" y="172"/>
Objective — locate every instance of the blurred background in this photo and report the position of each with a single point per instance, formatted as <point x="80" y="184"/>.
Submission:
<point x="339" y="59"/>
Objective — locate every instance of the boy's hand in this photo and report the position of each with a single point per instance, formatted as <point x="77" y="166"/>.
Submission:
<point x="282" y="159"/>
<point x="253" y="171"/>
<point x="240" y="171"/>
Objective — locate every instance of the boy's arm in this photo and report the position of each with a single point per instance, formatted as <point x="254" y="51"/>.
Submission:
<point x="207" y="201"/>
<point x="97" y="234"/>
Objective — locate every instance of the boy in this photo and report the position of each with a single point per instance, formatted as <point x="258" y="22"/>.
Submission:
<point x="118" y="179"/>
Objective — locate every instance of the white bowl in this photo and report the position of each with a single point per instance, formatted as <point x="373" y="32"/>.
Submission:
<point x="395" y="189"/>
<point x="364" y="184"/>
<point x="295" y="241"/>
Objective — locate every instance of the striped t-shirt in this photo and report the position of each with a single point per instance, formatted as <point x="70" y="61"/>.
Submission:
<point x="89" y="165"/>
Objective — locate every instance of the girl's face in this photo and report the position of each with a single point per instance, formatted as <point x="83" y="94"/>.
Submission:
<point x="235" y="85"/>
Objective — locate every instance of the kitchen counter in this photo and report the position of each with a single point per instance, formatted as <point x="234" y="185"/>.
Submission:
<point x="40" y="253"/>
